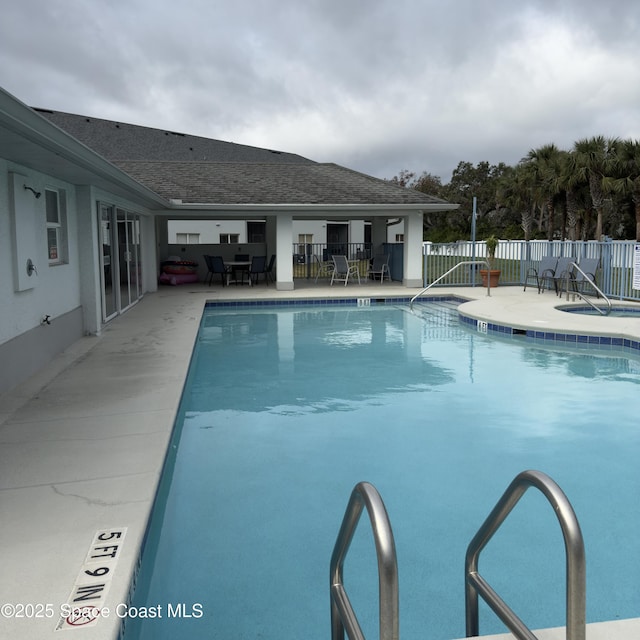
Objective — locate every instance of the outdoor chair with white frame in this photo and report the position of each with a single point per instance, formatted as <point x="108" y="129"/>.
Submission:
<point x="323" y="269"/>
<point x="343" y="270"/>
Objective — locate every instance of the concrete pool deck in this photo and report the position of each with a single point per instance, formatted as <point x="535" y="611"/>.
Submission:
<point x="83" y="443"/>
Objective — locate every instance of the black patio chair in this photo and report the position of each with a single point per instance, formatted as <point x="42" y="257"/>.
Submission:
<point x="216" y="266"/>
<point x="564" y="271"/>
<point x="585" y="276"/>
<point x="379" y="267"/>
<point x="545" y="270"/>
<point x="258" y="267"/>
<point x="270" y="266"/>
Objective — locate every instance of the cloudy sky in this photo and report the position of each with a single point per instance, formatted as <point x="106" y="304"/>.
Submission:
<point x="375" y="85"/>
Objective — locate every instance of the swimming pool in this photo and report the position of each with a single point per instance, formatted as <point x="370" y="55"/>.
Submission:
<point x="616" y="312"/>
<point x="286" y="409"/>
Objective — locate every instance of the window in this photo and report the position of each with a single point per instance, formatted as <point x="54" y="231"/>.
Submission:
<point x="256" y="230"/>
<point x="229" y="238"/>
<point x="56" y="209"/>
<point x="399" y="237"/>
<point x="187" y="238"/>
<point x="304" y="239"/>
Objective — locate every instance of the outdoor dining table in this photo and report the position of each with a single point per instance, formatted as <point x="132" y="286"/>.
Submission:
<point x="237" y="265"/>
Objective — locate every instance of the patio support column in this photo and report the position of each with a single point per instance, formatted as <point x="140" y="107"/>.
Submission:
<point x="378" y="234"/>
<point x="284" y="252"/>
<point x="271" y="224"/>
<point x="356" y="231"/>
<point x="413" y="249"/>
<point x="89" y="260"/>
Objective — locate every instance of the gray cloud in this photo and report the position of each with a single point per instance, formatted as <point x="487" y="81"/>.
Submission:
<point x="378" y="85"/>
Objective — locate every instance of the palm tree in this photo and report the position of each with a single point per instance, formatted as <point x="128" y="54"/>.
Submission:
<point x="514" y="191"/>
<point x="594" y="160"/>
<point x="576" y="194"/>
<point x="628" y="165"/>
<point x="546" y="163"/>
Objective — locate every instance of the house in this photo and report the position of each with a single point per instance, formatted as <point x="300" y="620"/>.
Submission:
<point x="85" y="206"/>
<point x="120" y="142"/>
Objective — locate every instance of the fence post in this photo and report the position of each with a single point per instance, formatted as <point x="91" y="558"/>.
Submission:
<point x="424" y="264"/>
<point x="308" y="250"/>
<point x="605" y="266"/>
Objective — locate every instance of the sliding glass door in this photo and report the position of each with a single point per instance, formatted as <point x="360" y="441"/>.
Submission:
<point x="121" y="269"/>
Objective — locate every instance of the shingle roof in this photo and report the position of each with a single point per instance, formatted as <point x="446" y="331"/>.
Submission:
<point x="192" y="169"/>
<point x="121" y="141"/>
<point x="253" y="183"/>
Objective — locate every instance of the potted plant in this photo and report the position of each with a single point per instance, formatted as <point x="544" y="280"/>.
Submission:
<point x="492" y="274"/>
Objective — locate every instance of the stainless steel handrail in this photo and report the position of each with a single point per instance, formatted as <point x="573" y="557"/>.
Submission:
<point x="343" y="617"/>
<point x="576" y="565"/>
<point x="444" y="275"/>
<point x="593" y="284"/>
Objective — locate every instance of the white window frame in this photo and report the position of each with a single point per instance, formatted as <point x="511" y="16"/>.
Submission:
<point x="57" y="226"/>
<point x="229" y="238"/>
<point x="187" y="238"/>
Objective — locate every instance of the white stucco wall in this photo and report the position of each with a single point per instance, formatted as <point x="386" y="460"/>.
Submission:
<point x="68" y="292"/>
<point x="316" y="228"/>
<point x="61" y="288"/>
<point x="210" y="230"/>
<point x="394" y="230"/>
<point x="55" y="289"/>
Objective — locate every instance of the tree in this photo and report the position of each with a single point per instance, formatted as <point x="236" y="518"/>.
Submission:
<point x="404" y="179"/>
<point x="426" y="182"/>
<point x="546" y="166"/>
<point x="469" y="181"/>
<point x="628" y="167"/>
<point x="563" y="190"/>
<point x="594" y="159"/>
<point x="514" y="192"/>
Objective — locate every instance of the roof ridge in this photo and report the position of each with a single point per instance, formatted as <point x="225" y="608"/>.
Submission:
<point x="225" y="162"/>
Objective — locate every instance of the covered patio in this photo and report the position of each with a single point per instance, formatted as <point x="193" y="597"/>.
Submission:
<point x="279" y="231"/>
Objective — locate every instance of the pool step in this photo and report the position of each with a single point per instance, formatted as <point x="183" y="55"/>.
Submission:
<point x="444" y="304"/>
<point x="440" y="313"/>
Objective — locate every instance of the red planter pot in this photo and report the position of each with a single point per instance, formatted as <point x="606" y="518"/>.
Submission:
<point x="493" y="275"/>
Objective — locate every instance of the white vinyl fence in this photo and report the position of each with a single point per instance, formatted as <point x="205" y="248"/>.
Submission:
<point x="515" y="257"/>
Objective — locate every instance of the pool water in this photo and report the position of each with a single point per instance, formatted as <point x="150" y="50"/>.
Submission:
<point x="616" y="312"/>
<point x="286" y="409"/>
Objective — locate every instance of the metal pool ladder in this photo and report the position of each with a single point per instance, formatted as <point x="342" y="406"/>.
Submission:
<point x="444" y="275"/>
<point x="343" y="617"/>
<point x="574" y="547"/>
<point x="575" y="292"/>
